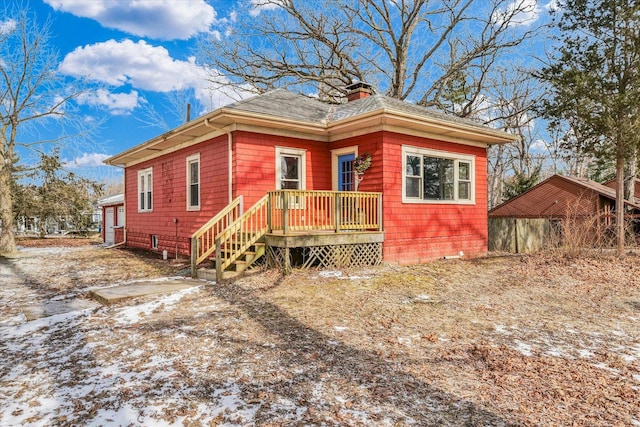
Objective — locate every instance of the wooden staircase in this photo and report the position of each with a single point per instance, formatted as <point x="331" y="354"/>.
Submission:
<point x="237" y="267"/>
<point x="236" y="247"/>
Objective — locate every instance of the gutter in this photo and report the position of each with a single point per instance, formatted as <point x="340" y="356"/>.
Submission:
<point x="230" y="156"/>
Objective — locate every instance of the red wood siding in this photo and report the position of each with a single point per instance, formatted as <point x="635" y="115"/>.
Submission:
<point x="255" y="164"/>
<point x="170" y="197"/>
<point x="372" y="143"/>
<point x="414" y="233"/>
<point x="419" y="232"/>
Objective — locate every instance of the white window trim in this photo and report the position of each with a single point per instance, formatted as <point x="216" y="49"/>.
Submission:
<point x="334" y="163"/>
<point x="280" y="151"/>
<point x="192" y="159"/>
<point x="409" y="150"/>
<point x="154" y="241"/>
<point x="145" y="172"/>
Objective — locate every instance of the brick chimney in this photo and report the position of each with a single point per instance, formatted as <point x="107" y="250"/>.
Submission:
<point x="358" y="90"/>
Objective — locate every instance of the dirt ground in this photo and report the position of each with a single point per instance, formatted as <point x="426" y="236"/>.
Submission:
<point x="513" y="340"/>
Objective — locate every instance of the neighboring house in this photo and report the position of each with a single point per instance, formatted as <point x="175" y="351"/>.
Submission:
<point x="522" y="223"/>
<point x="56" y="225"/>
<point x="113" y="218"/>
<point x="27" y="225"/>
<point x="423" y="197"/>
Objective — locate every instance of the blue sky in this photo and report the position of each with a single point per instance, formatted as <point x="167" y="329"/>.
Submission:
<point x="138" y="51"/>
<point x="135" y="52"/>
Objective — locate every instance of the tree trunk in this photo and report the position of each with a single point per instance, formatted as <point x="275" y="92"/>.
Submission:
<point x="631" y="171"/>
<point x="7" y="234"/>
<point x="620" y="235"/>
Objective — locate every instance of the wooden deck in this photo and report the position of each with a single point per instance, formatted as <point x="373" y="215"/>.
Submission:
<point x="328" y="228"/>
<point x="299" y="239"/>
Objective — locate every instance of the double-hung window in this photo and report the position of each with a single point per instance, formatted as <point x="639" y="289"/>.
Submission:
<point x="291" y="174"/>
<point x="193" y="182"/>
<point x="145" y="190"/>
<point x="437" y="176"/>
<point x="290" y="168"/>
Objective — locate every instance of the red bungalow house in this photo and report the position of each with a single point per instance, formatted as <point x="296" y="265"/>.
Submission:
<point x="276" y="173"/>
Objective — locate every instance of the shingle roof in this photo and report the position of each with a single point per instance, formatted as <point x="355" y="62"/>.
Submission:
<point x="285" y="104"/>
<point x="282" y="110"/>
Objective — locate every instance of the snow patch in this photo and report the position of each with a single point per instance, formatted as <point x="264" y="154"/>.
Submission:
<point x="524" y="348"/>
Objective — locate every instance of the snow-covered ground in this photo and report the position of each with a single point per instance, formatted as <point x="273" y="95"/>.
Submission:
<point x="448" y="344"/>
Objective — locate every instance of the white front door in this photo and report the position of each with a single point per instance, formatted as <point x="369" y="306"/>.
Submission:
<point x="109" y="235"/>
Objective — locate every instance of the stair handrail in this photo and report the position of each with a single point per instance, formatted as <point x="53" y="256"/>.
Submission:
<point x="203" y="240"/>
<point x="241" y="235"/>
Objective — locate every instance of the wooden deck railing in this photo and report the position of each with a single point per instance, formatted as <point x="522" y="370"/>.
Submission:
<point x="230" y="233"/>
<point x="241" y="235"/>
<point x="203" y="240"/>
<point x="299" y="210"/>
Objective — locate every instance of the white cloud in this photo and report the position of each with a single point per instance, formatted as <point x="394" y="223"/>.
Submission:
<point x="144" y="67"/>
<point x="539" y="145"/>
<point x="86" y="160"/>
<point x="117" y="103"/>
<point x="7" y="26"/>
<point x="126" y="62"/>
<point x="520" y="12"/>
<point x="160" y="19"/>
<point x="262" y="5"/>
<point x="552" y="5"/>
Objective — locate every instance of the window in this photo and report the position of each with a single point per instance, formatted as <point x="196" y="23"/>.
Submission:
<point x="290" y="168"/>
<point x="145" y="190"/>
<point x="435" y="176"/>
<point x="193" y="182"/>
<point x="154" y="241"/>
<point x="120" y="218"/>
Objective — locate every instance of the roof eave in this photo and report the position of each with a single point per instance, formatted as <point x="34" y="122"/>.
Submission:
<point x="476" y="133"/>
<point x="224" y="117"/>
<point x="198" y="128"/>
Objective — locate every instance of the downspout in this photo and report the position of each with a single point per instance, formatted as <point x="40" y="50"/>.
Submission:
<point x="115" y="245"/>
<point x="230" y="154"/>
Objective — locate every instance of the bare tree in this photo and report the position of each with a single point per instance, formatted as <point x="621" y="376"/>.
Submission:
<point x="31" y="93"/>
<point x="410" y="49"/>
<point x="594" y="76"/>
<point x="507" y="103"/>
<point x="182" y="105"/>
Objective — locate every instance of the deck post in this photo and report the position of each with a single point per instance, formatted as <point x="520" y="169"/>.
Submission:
<point x="285" y="212"/>
<point x="218" y="260"/>
<point x="194" y="257"/>
<point x="338" y="210"/>
<point x="287" y="261"/>
<point x="269" y="218"/>
<point x="380" y="212"/>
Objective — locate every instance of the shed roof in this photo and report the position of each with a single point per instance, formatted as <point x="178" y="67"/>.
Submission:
<point x="283" y="111"/>
<point x="612" y="184"/>
<point x="553" y="196"/>
<point x="116" y="199"/>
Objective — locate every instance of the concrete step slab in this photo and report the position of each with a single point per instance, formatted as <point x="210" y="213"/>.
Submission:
<point x="115" y="294"/>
